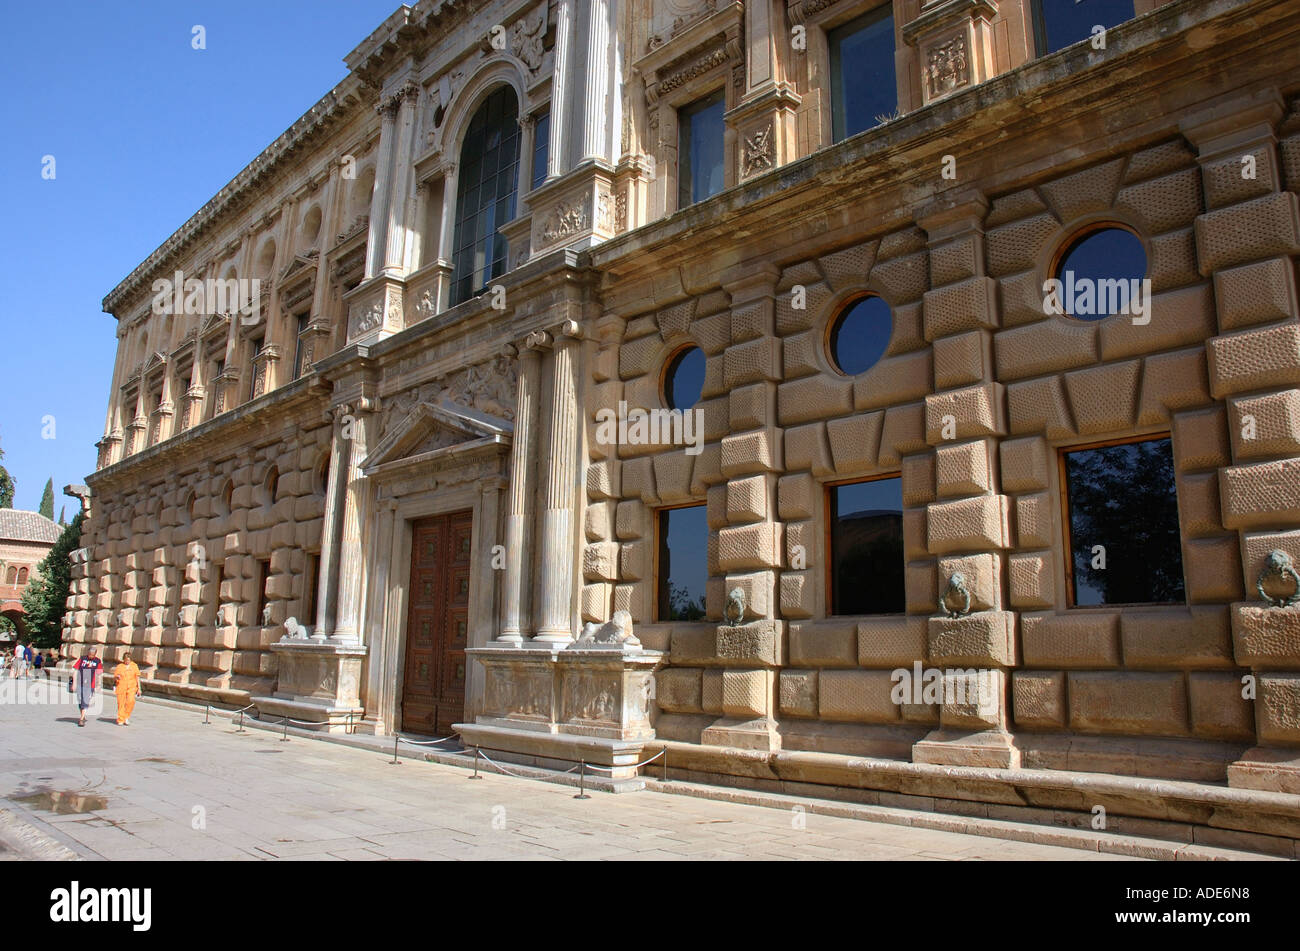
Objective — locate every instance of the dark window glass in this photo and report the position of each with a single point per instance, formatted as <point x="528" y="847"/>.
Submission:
<point x="684" y="380"/>
<point x="699" y="150"/>
<point x="683" y="563"/>
<point x="541" y="147"/>
<point x="860" y="335"/>
<point x="866" y="521"/>
<point x="1124" y="538"/>
<point x="263" y="575"/>
<point x="1102" y="265"/>
<point x="1061" y="23"/>
<point x="485" y="194"/>
<point x="863" y="84"/>
<point x="297" y="353"/>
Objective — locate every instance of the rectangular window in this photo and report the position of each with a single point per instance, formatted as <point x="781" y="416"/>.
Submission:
<point x="1062" y="23"/>
<point x="541" y="147"/>
<point x="307" y="603"/>
<point x="1122" y="524"/>
<point x="683" y="565"/>
<point x="297" y="353"/>
<point x="263" y="576"/>
<point x="864" y="87"/>
<point x="699" y="149"/>
<point x="219" y="571"/>
<point x="258" y="343"/>
<point x="865" y="523"/>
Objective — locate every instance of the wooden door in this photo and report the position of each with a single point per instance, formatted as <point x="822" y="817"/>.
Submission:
<point x="437" y="624"/>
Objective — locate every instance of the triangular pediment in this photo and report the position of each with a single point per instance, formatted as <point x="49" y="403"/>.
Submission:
<point x="299" y="264"/>
<point x="429" y="427"/>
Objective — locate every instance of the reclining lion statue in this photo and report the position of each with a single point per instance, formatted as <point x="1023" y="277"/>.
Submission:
<point x="617" y="630"/>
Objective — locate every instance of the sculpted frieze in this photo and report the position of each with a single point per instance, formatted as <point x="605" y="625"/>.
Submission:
<point x="487" y="387"/>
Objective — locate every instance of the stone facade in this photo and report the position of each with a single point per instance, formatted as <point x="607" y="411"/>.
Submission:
<point x="305" y="491"/>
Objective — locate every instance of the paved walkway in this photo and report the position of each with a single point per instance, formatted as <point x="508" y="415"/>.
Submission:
<point x="169" y="787"/>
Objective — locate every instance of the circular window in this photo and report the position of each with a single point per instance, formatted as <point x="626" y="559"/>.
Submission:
<point x="684" y="379"/>
<point x="1099" y="274"/>
<point x="860" y="335"/>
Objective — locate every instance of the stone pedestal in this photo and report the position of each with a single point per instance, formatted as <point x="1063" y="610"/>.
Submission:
<point x="1267" y="640"/>
<point x="319" y="682"/>
<point x="553" y="706"/>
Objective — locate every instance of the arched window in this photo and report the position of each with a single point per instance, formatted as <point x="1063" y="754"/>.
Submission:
<point x="11" y="576"/>
<point x="485" y="194"/>
<point x="22" y="575"/>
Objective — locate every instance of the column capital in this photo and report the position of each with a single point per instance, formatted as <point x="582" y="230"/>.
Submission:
<point x="537" y="340"/>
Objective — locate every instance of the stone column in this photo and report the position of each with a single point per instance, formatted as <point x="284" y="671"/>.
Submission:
<point x="595" y="128"/>
<point x="555" y="622"/>
<point x="387" y="110"/>
<point x="351" y="578"/>
<point x="399" y="200"/>
<point x="381" y="668"/>
<point x="517" y="590"/>
<point x="327" y="593"/>
<point x="561" y="83"/>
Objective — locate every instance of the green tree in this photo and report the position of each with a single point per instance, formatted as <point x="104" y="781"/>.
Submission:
<point x="7" y="485"/>
<point x="47" y="500"/>
<point x="45" y="598"/>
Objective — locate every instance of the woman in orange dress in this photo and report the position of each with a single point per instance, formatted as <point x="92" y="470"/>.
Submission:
<point x="127" y="675"/>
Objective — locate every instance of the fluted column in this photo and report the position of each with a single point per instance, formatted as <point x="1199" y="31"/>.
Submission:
<point x="517" y="594"/>
<point x="595" y="121"/>
<point x="347" y="623"/>
<point x="335" y="488"/>
<point x="561" y="86"/>
<point x="383" y="177"/>
<point x="399" y="201"/>
<point x="555" y="624"/>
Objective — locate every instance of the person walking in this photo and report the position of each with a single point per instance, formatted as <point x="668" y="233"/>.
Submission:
<point x="85" y="680"/>
<point x="20" y="661"/>
<point x="127" y="675"/>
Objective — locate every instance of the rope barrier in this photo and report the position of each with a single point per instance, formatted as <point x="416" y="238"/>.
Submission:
<point x="610" y="769"/>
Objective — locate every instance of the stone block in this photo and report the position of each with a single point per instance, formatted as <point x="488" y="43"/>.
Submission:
<point x="749" y="407"/>
<point x="1033" y="580"/>
<point x="963" y="360"/>
<point x="1258" y="293"/>
<point x="1198" y="505"/>
<point x="975" y="524"/>
<point x="1037" y="407"/>
<point x="1217" y="708"/>
<point x="855" y="442"/>
<point x="1165" y="203"/>
<point x="1024" y="464"/>
<point x="603" y="480"/>
<point x="1261" y="228"/>
<point x="1016" y="247"/>
<point x="983" y="573"/>
<point x="902" y="280"/>
<point x="757" y="451"/>
<point x="1261" y="495"/>
<point x="983" y="639"/>
<point x="813" y="397"/>
<point x="711" y="691"/>
<point x="1266" y="425"/>
<point x="1104" y="399"/>
<point x="920" y="586"/>
<point x="1038" y="699"/>
<point x="742" y="547"/>
<point x="1277" y="709"/>
<point x="1211" y="569"/>
<point x="858" y="696"/>
<point x="746" y="693"/>
<point x="802" y="355"/>
<point x="635" y="561"/>
<point x="797" y="497"/>
<point x="914" y="534"/>
<point x="903" y="433"/>
<point x="1045" y="347"/>
<point x="673" y="476"/>
<point x="893" y="380"/>
<point x="1193" y="637"/>
<point x="1128" y="702"/>
<point x="1200" y="440"/>
<point x="1179" y="317"/>
<point x="1089" y="191"/>
<point x="597" y="520"/>
<point x="752" y="362"/>
<point x="918" y="478"/>
<point x="753" y="644"/>
<point x="964" y="468"/>
<point x="891" y="641"/>
<point x="829" y="643"/>
<point x="600" y="562"/>
<point x="1077" y="639"/>
<point x="797" y="690"/>
<point x="806" y="449"/>
<point x="1256" y="359"/>
<point x="964" y="414"/>
<point x="848" y="268"/>
<point x="1035" y="520"/>
<point x="1266" y="638"/>
<point x="798" y="594"/>
<point x="747" y="498"/>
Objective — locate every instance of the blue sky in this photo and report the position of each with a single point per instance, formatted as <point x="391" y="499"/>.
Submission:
<point x="144" y="129"/>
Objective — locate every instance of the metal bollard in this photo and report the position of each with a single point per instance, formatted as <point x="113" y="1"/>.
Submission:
<point x="582" y="782"/>
<point x="241" y="723"/>
<point x="284" y="738"/>
<point x="665" y="764"/>
<point x="476" y="755"/>
<point x="395" y="761"/>
<point x="207" y="711"/>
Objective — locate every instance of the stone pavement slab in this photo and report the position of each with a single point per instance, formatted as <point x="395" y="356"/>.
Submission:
<point x="169" y="786"/>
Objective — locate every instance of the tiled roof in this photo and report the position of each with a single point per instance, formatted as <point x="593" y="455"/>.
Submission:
<point x="20" y="526"/>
